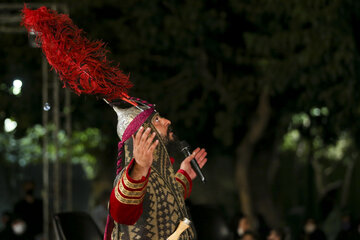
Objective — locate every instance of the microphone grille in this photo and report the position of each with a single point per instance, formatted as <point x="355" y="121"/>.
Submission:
<point x="183" y="145"/>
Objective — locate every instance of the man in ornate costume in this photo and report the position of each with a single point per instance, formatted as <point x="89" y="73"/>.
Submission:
<point x="147" y="201"/>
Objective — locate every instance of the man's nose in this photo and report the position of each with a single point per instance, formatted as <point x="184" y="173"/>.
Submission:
<point x="166" y="122"/>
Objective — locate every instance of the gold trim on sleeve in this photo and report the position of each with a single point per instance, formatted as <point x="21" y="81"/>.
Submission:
<point x="131" y="193"/>
<point x="130" y="184"/>
<point x="127" y="200"/>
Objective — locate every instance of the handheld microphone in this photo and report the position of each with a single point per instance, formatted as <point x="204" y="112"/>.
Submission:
<point x="185" y="149"/>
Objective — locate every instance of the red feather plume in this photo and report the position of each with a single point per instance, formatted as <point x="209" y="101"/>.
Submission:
<point x="81" y="63"/>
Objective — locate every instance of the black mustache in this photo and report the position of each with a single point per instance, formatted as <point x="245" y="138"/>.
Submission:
<point x="169" y="130"/>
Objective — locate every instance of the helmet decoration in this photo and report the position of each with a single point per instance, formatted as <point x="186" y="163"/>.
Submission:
<point x="83" y="66"/>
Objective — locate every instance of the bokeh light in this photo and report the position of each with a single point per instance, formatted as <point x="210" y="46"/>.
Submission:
<point x="16" y="89"/>
<point x="9" y="125"/>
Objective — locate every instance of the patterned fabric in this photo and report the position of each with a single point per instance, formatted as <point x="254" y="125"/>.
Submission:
<point x="163" y="203"/>
<point x="183" y="178"/>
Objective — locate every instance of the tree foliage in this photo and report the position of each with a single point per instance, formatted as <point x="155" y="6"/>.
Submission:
<point x="28" y="149"/>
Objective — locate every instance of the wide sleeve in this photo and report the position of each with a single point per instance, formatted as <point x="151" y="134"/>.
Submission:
<point x="126" y="200"/>
<point x="184" y="181"/>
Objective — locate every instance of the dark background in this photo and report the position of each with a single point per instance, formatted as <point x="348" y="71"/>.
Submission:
<point x="269" y="88"/>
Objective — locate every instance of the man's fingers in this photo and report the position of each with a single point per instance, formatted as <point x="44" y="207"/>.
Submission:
<point x="196" y="151"/>
<point x="201" y="156"/>
<point x="193" y="155"/>
<point x="189" y="158"/>
<point x="138" y="135"/>
<point x="150" y="139"/>
<point x="199" y="153"/>
<point x="202" y="163"/>
<point x="153" y="146"/>
<point x="144" y="136"/>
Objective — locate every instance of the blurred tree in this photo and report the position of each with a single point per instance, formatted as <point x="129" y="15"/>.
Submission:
<point x="18" y="152"/>
<point x="238" y="71"/>
<point x="306" y="55"/>
<point x="28" y="149"/>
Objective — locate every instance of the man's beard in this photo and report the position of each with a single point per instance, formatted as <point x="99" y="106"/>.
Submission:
<point x="172" y="143"/>
<point x="167" y="139"/>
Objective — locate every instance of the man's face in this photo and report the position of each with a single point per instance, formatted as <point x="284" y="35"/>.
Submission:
<point x="162" y="125"/>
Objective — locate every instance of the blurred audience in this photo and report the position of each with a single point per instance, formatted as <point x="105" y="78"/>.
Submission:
<point x="29" y="213"/>
<point x="210" y="222"/>
<point x="242" y="225"/>
<point x="249" y="235"/>
<point x="20" y="230"/>
<point x="349" y="230"/>
<point x="14" y="228"/>
<point x="262" y="229"/>
<point x="276" y="234"/>
<point x="352" y="233"/>
<point x="312" y="231"/>
<point x="6" y="232"/>
<point x="27" y="221"/>
<point x="345" y="228"/>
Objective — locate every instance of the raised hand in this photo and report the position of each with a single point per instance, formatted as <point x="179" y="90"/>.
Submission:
<point x="200" y="156"/>
<point x="143" y="149"/>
